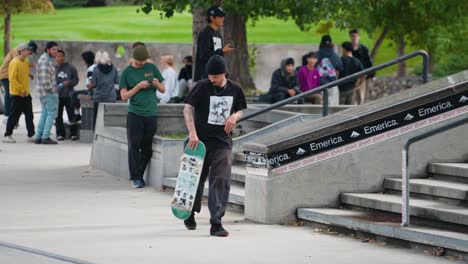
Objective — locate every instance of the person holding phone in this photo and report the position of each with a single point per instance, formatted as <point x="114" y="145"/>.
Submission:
<point x="210" y="42"/>
<point x="138" y="83"/>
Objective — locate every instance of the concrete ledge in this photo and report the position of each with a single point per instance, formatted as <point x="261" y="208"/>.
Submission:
<point x="446" y="189"/>
<point x="430" y="209"/>
<point x="355" y="220"/>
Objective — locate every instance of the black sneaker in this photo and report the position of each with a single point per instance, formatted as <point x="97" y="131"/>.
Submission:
<point x="38" y="141"/>
<point x="190" y="223"/>
<point x="49" y="141"/>
<point x="218" y="230"/>
<point x="142" y="182"/>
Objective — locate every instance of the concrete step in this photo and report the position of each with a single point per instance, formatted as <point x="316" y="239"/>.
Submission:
<point x="238" y="173"/>
<point x="439" y="188"/>
<point x="449" y="169"/>
<point x="430" y="209"/>
<point x="385" y="225"/>
<point x="236" y="195"/>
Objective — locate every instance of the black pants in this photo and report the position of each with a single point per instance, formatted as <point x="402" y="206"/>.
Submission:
<point x="217" y="168"/>
<point x="20" y="105"/>
<point x="65" y="102"/>
<point x="74" y="98"/>
<point x="140" y="133"/>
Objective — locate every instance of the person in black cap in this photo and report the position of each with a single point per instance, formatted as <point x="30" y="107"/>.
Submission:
<point x="284" y="82"/>
<point x="329" y="66"/>
<point x="138" y="83"/>
<point x="211" y="112"/>
<point x="210" y="42"/>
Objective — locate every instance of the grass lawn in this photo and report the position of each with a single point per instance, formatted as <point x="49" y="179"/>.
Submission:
<point x="124" y="24"/>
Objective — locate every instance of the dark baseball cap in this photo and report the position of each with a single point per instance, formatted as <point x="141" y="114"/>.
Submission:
<point x="215" y="11"/>
<point x="32" y="46"/>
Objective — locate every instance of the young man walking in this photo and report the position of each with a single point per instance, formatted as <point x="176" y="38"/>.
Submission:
<point x="210" y="42"/>
<point x="46" y="86"/>
<point x="211" y="112"/>
<point x="21" y="101"/>
<point x="4" y="78"/>
<point x="361" y="53"/>
<point x="66" y="80"/>
<point x="138" y="83"/>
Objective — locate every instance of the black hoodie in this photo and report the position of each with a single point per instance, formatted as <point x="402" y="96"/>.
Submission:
<point x="210" y="42"/>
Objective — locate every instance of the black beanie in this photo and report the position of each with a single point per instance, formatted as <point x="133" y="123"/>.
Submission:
<point x="216" y="65"/>
<point x="289" y="61"/>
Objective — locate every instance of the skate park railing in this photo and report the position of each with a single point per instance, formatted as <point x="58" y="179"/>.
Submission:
<point x="405" y="173"/>
<point x="324" y="88"/>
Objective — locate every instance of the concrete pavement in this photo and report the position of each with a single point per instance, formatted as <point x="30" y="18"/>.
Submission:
<point x="51" y="200"/>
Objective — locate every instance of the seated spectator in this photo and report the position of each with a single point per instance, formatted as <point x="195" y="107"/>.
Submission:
<point x="284" y="83"/>
<point x="350" y="90"/>
<point x="105" y="77"/>
<point x="309" y="78"/>
<point x="170" y="80"/>
<point x="185" y="79"/>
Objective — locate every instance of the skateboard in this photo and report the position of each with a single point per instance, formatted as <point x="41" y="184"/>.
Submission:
<point x="191" y="164"/>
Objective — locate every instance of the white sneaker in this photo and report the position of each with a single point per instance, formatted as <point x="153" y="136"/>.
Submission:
<point x="31" y="139"/>
<point x="9" y="139"/>
<point x="5" y="120"/>
<point x="60" y="138"/>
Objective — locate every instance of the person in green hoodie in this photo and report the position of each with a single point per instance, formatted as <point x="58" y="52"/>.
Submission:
<point x="138" y="83"/>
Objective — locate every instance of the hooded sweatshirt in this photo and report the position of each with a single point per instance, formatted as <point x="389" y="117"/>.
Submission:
<point x="282" y="81"/>
<point x="326" y="52"/>
<point x="66" y="72"/>
<point x="105" y="77"/>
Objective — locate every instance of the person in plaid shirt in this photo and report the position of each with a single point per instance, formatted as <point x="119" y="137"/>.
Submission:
<point x="46" y="86"/>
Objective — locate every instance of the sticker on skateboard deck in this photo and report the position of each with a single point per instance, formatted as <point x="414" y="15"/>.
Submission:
<point x="191" y="164"/>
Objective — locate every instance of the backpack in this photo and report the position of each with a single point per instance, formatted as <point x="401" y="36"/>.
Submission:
<point x="326" y="68"/>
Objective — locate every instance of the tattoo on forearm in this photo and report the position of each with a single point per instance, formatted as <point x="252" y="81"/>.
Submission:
<point x="188" y="116"/>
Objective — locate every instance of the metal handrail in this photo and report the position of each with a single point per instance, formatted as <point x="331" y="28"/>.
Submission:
<point x="325" y="87"/>
<point x="405" y="208"/>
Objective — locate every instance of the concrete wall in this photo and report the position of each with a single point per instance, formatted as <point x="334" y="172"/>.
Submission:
<point x="268" y="56"/>
<point x="273" y="197"/>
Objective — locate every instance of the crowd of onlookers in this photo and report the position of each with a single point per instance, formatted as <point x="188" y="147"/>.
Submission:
<point x="57" y="79"/>
<point x="322" y="67"/>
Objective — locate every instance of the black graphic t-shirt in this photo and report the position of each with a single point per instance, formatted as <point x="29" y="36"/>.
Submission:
<point x="213" y="106"/>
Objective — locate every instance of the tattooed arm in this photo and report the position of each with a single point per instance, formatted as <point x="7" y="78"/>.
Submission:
<point x="190" y="124"/>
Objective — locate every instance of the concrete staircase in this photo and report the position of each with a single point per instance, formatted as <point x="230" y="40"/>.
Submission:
<point x="438" y="209"/>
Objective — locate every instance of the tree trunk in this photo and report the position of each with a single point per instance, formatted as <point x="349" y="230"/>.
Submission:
<point x="198" y="24"/>
<point x="237" y="61"/>
<point x="378" y="43"/>
<point x="401" y="71"/>
<point x="6" y="34"/>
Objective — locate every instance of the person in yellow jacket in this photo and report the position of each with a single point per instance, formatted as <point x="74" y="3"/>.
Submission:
<point x="4" y="77"/>
<point x="21" y="101"/>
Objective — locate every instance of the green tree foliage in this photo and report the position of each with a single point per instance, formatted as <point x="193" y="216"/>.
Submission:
<point x="13" y="7"/>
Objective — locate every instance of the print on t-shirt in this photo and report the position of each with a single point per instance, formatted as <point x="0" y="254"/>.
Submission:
<point x="220" y="109"/>
<point x="217" y="43"/>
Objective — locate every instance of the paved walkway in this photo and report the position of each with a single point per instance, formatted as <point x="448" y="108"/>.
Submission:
<point x="50" y="200"/>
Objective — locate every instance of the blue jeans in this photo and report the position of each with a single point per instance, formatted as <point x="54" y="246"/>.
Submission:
<point x="7" y="102"/>
<point x="49" y="105"/>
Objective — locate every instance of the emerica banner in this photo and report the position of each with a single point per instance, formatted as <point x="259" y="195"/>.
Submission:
<point x="282" y="157"/>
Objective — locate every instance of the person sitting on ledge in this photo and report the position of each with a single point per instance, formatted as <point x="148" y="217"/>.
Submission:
<point x="284" y="82"/>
